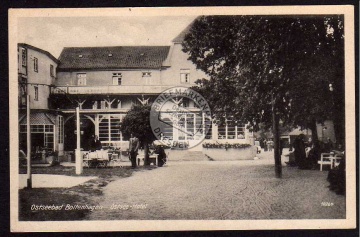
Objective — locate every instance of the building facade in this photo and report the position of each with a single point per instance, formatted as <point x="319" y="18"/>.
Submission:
<point x="36" y="75"/>
<point x="104" y="82"/>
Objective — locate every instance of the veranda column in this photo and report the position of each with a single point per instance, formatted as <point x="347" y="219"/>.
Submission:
<point x="78" y="157"/>
<point x="97" y="125"/>
<point x="28" y="143"/>
<point x="175" y="128"/>
<point x="203" y="125"/>
<point x="214" y="131"/>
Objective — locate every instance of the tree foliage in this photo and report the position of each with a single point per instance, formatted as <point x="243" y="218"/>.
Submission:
<point x="257" y="61"/>
<point x="267" y="69"/>
<point x="137" y="122"/>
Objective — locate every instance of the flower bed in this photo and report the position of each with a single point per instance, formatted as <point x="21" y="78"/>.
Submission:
<point x="227" y="151"/>
<point x="225" y="145"/>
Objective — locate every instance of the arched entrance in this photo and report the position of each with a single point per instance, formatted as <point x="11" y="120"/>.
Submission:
<point x="87" y="129"/>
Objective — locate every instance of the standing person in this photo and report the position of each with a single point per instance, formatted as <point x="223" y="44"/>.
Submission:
<point x="299" y="152"/>
<point x="314" y="154"/>
<point x="329" y="145"/>
<point x="134" y="145"/>
<point x="265" y="145"/>
<point x="270" y="145"/>
<point x="98" y="145"/>
<point x="95" y="143"/>
<point x="159" y="149"/>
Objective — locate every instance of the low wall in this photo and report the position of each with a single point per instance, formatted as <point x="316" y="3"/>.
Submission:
<point x="231" y="153"/>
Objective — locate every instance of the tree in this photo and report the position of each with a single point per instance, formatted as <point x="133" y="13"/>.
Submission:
<point x="137" y="122"/>
<point x="266" y="69"/>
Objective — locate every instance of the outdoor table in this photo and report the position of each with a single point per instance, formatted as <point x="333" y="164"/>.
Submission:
<point x="98" y="159"/>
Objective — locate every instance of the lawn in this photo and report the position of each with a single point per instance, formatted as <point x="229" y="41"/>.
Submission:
<point x="85" y="194"/>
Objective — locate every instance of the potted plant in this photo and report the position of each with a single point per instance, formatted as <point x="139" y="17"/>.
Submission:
<point x="52" y="157"/>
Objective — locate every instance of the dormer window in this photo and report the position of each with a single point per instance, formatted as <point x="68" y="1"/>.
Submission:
<point x="146" y="74"/>
<point x="185" y="75"/>
<point x="117" y="77"/>
<point x="81" y="79"/>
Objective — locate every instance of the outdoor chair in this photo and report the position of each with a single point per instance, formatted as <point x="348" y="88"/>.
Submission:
<point x="325" y="159"/>
<point x="329" y="159"/>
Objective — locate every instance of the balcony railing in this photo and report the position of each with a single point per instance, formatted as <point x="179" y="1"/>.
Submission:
<point x="136" y="89"/>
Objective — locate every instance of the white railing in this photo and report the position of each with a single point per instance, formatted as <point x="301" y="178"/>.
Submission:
<point x="136" y="89"/>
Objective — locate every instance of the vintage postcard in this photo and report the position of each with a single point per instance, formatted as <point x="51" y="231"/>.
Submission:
<point x="194" y="118"/>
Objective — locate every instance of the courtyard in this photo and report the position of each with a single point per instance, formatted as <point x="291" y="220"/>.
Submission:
<point x="192" y="187"/>
<point x="220" y="190"/>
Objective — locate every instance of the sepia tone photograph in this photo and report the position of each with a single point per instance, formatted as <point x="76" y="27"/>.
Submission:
<point x="182" y="118"/>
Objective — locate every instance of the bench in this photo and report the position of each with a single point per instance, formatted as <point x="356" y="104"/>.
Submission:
<point x="152" y="159"/>
<point x="329" y="159"/>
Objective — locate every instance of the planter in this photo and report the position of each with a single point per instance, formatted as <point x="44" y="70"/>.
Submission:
<point x="52" y="160"/>
<point x="247" y="153"/>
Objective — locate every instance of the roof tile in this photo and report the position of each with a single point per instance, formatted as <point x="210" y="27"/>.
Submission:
<point x="122" y="57"/>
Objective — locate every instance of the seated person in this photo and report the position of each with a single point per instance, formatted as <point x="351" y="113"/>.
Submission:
<point x="339" y="150"/>
<point x="337" y="179"/>
<point x="314" y="154"/>
<point x="161" y="155"/>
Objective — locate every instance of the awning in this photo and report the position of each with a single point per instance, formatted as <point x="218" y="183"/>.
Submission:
<point x="38" y="118"/>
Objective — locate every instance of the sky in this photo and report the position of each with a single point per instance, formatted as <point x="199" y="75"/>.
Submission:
<point x="54" y="33"/>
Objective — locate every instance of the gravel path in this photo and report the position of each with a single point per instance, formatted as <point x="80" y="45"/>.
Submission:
<point x="218" y="190"/>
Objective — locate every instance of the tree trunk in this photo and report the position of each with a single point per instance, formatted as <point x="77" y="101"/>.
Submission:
<point x="313" y="128"/>
<point x="276" y="134"/>
<point x="146" y="154"/>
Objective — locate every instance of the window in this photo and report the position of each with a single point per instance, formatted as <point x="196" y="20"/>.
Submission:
<point x="185" y="75"/>
<point x="49" y="140"/>
<point x="23" y="56"/>
<point x="36" y="93"/>
<point x="240" y="132"/>
<point x="221" y="132"/>
<point x="209" y="133"/>
<point x="36" y="64"/>
<point x="231" y="131"/>
<point x="81" y="79"/>
<point x="42" y="128"/>
<point x="116" y="77"/>
<point x="46" y="129"/>
<point x="52" y="70"/>
<point x="146" y="74"/>
<point x="109" y="127"/>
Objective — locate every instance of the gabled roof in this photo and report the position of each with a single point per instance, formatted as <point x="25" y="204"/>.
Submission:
<point x="181" y="36"/>
<point x="39" y="50"/>
<point x="118" y="57"/>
